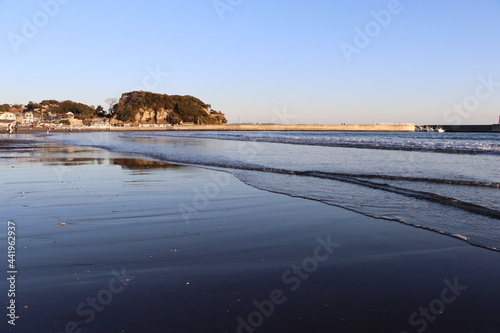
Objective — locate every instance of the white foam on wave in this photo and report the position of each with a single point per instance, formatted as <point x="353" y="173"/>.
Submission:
<point x="406" y="141"/>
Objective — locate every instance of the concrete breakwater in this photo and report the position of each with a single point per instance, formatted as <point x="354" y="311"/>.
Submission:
<point x="472" y="128"/>
<point x="309" y="128"/>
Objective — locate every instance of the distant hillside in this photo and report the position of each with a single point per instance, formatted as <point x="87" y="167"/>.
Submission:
<point x="146" y="107"/>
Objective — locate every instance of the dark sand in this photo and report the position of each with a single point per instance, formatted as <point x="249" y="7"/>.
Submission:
<point x="202" y="274"/>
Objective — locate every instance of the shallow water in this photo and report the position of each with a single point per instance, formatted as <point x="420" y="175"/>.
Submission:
<point x="445" y="182"/>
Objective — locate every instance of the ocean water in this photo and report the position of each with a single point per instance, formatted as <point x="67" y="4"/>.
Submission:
<point x="444" y="182"/>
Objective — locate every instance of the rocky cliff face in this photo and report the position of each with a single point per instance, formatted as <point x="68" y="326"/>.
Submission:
<point x="148" y="115"/>
<point x="145" y="107"/>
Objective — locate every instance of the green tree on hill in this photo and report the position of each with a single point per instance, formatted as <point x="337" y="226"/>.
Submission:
<point x="48" y="102"/>
<point x="80" y="110"/>
<point x="4" y="108"/>
<point x="32" y="106"/>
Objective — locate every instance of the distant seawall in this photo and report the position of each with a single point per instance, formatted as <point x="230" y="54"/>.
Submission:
<point x="472" y="128"/>
<point x="308" y="128"/>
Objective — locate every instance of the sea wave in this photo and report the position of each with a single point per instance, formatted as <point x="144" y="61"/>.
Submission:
<point x="432" y="142"/>
<point x="452" y="195"/>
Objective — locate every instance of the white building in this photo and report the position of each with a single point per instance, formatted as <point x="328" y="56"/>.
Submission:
<point x="26" y="118"/>
<point x="7" y="116"/>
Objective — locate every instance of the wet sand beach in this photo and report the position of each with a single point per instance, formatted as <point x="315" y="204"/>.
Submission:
<point x="108" y="242"/>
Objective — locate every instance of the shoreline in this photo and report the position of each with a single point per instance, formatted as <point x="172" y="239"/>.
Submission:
<point x="237" y="247"/>
<point x="375" y="128"/>
<point x="248" y="128"/>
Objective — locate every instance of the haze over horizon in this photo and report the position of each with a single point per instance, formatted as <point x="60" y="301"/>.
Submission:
<point x="319" y="62"/>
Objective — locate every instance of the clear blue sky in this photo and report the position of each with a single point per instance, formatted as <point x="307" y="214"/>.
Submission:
<point x="263" y="56"/>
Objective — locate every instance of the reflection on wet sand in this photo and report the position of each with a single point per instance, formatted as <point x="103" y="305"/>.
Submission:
<point x="53" y="154"/>
<point x="125" y="163"/>
<point x="140" y="164"/>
